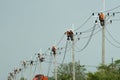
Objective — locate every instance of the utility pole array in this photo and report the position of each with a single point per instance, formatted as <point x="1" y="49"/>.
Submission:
<point x="103" y="19"/>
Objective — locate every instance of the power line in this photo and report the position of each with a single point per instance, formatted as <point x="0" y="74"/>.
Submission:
<point x="112" y="8"/>
<point x="49" y="66"/>
<point x="60" y="40"/>
<point x="88" y="39"/>
<point x="65" y="52"/>
<point x="88" y="32"/>
<point x="93" y="34"/>
<point x="112" y="43"/>
<point x="112" y="37"/>
<point x="83" y="23"/>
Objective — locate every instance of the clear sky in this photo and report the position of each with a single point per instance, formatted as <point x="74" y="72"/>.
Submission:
<point x="26" y="26"/>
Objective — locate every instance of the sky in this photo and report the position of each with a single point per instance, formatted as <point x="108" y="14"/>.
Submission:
<point x="30" y="26"/>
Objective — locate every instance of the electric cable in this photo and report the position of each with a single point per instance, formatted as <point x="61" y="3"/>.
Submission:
<point x="83" y="23"/>
<point x="65" y="52"/>
<point x="82" y="37"/>
<point x="87" y="31"/>
<point x="88" y="39"/>
<point x="35" y="67"/>
<point x="115" y="19"/>
<point x="49" y="66"/>
<point x="111" y="43"/>
<point x="60" y="40"/>
<point x="112" y="37"/>
<point x="112" y="8"/>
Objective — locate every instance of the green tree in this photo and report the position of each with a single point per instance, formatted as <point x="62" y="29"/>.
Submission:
<point x="106" y="72"/>
<point x="22" y="78"/>
<point x="65" y="71"/>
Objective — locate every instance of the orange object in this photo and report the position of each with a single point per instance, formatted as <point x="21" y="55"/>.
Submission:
<point x="40" y="77"/>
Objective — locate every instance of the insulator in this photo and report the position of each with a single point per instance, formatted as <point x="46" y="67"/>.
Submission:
<point x="113" y="14"/>
<point x="20" y="69"/>
<point x="110" y="21"/>
<point x="96" y="21"/>
<point x="93" y="14"/>
<point x="59" y="52"/>
<point x="80" y="33"/>
<point x="78" y="38"/>
<point x="76" y="33"/>
<point x="61" y="48"/>
<point x="98" y="14"/>
<point x="108" y="14"/>
<point x="31" y="62"/>
<point x="38" y="54"/>
<point x="48" y="48"/>
<point x="15" y="71"/>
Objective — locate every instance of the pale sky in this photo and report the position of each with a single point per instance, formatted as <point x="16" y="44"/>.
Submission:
<point x="26" y="26"/>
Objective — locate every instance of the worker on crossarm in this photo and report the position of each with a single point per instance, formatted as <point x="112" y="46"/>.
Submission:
<point x="69" y="35"/>
<point x="54" y="50"/>
<point x="102" y="19"/>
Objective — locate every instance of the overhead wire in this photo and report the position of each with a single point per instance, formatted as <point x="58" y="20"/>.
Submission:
<point x="112" y="37"/>
<point x="60" y="40"/>
<point x="49" y="66"/>
<point x="65" y="52"/>
<point x="115" y="19"/>
<point x="88" y="39"/>
<point x="87" y="31"/>
<point x="83" y="23"/>
<point x="35" y="67"/>
<point x="93" y="34"/>
<point x="112" y="43"/>
<point x="113" y="8"/>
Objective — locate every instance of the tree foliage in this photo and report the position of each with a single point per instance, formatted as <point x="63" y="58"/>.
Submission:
<point x="65" y="71"/>
<point x="106" y="72"/>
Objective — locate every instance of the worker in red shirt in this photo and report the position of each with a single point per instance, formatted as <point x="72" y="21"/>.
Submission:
<point x="69" y="35"/>
<point x="102" y="19"/>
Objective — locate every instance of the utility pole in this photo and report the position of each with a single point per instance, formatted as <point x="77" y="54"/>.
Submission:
<point x="55" y="65"/>
<point x="103" y="44"/>
<point x="70" y="36"/>
<point x="103" y="36"/>
<point x="73" y="58"/>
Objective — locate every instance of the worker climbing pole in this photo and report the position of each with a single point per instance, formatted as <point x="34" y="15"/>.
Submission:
<point x="102" y="18"/>
<point x="69" y="35"/>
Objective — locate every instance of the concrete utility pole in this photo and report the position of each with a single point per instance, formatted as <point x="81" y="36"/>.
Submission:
<point x="70" y="37"/>
<point x="55" y="64"/>
<point x="103" y="37"/>
<point x="73" y="58"/>
<point x="103" y="44"/>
